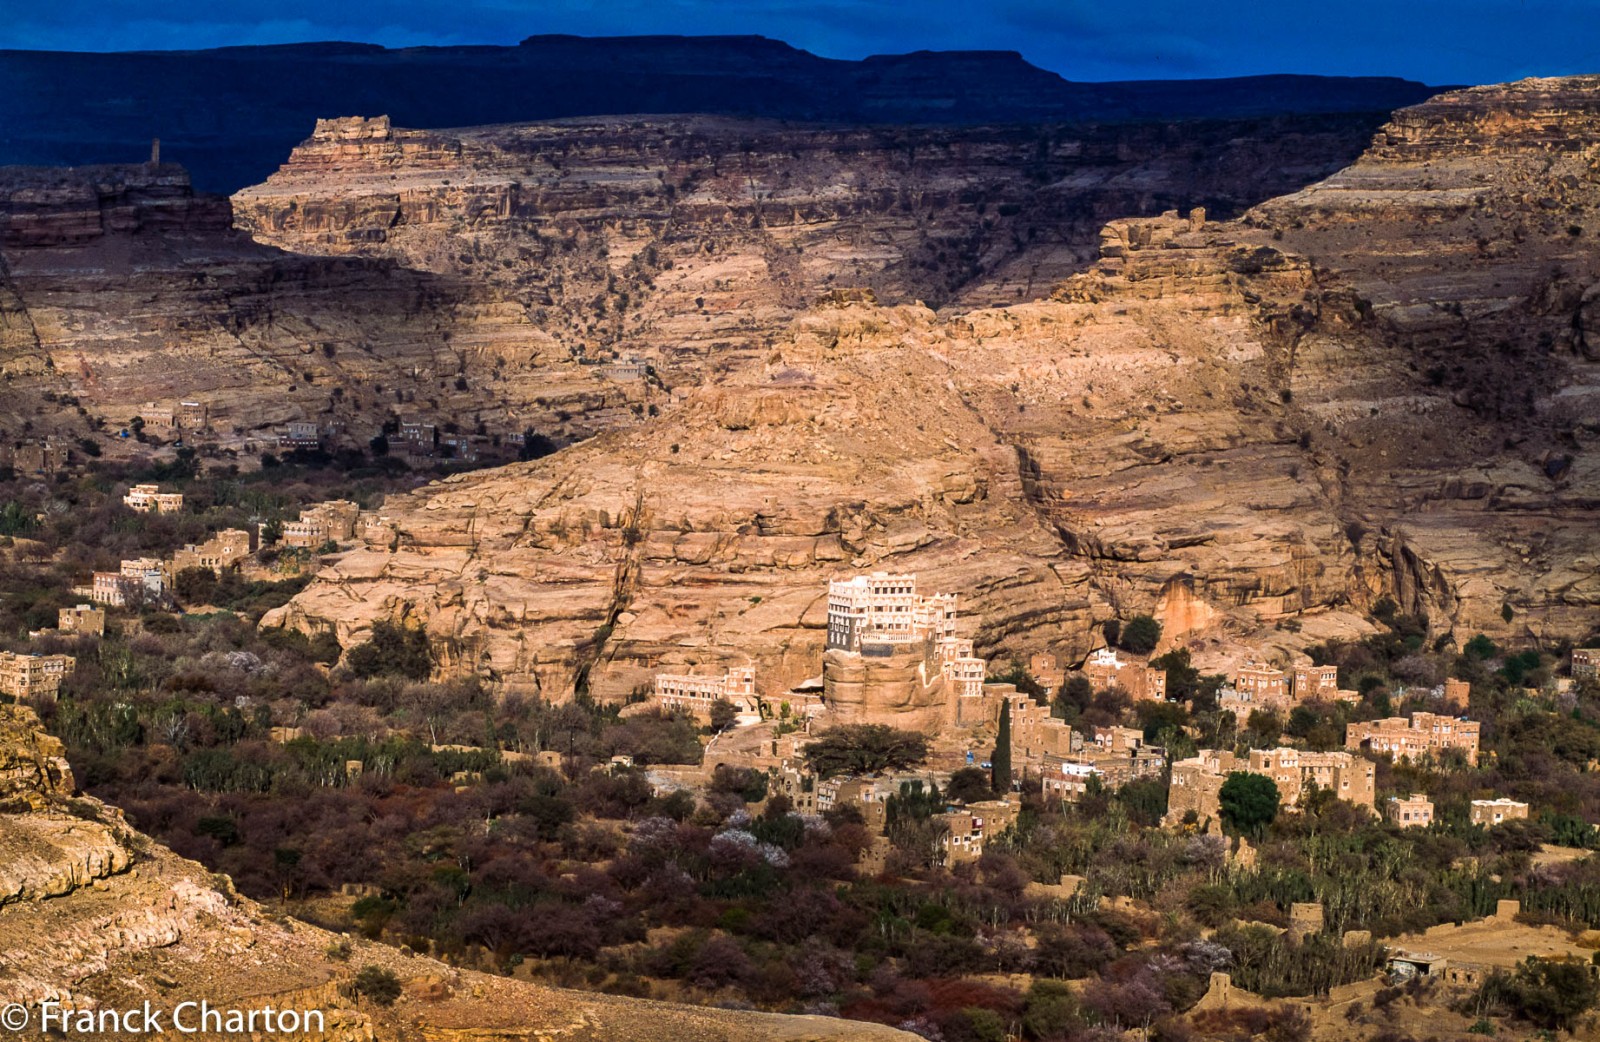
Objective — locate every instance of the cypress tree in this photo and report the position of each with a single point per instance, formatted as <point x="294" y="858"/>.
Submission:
<point x="1001" y="758"/>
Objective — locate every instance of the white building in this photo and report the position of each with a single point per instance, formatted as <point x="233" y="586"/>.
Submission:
<point x="697" y="694"/>
<point x="886" y="608"/>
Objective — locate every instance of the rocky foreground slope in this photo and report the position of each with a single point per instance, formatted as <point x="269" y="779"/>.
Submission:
<point x="1383" y="384"/>
<point x="96" y="916"/>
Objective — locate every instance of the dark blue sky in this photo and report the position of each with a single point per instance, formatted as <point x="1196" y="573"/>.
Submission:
<point x="1437" y="41"/>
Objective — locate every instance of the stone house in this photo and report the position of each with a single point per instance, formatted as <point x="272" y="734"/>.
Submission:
<point x="1197" y="782"/>
<point x="624" y="369"/>
<point x="1585" y="662"/>
<point x="887" y="608"/>
<point x="83" y="620"/>
<point x="1493" y="812"/>
<point x="1067" y="778"/>
<point x="36" y="455"/>
<point x="418" y="438"/>
<point x="1423" y="733"/>
<point x="1046" y="669"/>
<point x="968" y="829"/>
<point x="1117" y="756"/>
<point x="300" y="434"/>
<point x="223" y="550"/>
<point x="107" y="588"/>
<point x="1263" y="685"/>
<point x="1035" y="734"/>
<point x="332" y="521"/>
<point x="696" y="695"/>
<point x="1106" y="670"/>
<point x="191" y="415"/>
<point x="1311" y="682"/>
<point x="1413" y="811"/>
<point x="150" y="573"/>
<point x="24" y="675"/>
<point x="150" y="499"/>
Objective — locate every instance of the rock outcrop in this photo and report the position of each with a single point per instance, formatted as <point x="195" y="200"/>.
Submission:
<point x="1254" y="428"/>
<point x="95" y="916"/>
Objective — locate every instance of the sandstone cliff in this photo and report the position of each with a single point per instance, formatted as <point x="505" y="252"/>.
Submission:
<point x="94" y="915"/>
<point x="694" y="234"/>
<point x="121" y="286"/>
<point x="478" y="277"/>
<point x="1253" y="428"/>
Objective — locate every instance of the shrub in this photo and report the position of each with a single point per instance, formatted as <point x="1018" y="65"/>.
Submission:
<point x="394" y="650"/>
<point x="1249" y="802"/>
<point x="377" y="984"/>
<point x="1141" y="635"/>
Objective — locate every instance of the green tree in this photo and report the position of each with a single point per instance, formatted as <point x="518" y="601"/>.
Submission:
<point x="1182" y="678"/>
<point x="984" y="1025"/>
<point x="1265" y="726"/>
<point x="723" y="713"/>
<point x="15" y="519"/>
<point x="1141" y="635"/>
<point x="864" y="748"/>
<point x="969" y="784"/>
<point x="1156" y="717"/>
<point x="1552" y="994"/>
<point x="394" y="650"/>
<point x="194" y="586"/>
<point x="1001" y="759"/>
<point x="1050" y="1010"/>
<point x="1076" y="693"/>
<point x="1249" y="802"/>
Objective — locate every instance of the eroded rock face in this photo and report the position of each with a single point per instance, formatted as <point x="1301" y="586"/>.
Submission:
<point x="1461" y="246"/>
<point x="712" y="533"/>
<point x="902" y="689"/>
<point x="1241" y="426"/>
<point x="94" y="916"/>
<point x="703" y="234"/>
<point x="478" y="278"/>
<point x="121" y="286"/>
<point x="33" y="764"/>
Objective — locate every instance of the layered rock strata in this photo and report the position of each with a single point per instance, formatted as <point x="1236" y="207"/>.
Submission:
<point x="1253" y="429"/>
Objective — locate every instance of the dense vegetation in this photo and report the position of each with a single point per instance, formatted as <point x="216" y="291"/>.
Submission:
<point x="496" y="832"/>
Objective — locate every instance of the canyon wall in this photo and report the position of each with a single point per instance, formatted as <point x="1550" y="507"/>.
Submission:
<point x="1253" y="428"/>
<point x="121" y="286"/>
<point x="481" y="279"/>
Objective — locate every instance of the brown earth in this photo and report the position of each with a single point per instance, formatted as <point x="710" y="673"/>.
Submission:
<point x="107" y="919"/>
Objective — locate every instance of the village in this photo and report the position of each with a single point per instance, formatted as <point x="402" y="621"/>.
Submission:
<point x="993" y="741"/>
